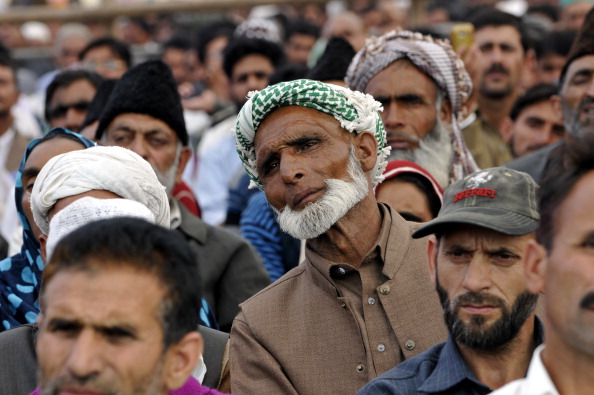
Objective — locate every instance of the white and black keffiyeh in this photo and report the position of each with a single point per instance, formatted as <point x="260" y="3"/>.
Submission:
<point x="437" y="59"/>
<point x="357" y="112"/>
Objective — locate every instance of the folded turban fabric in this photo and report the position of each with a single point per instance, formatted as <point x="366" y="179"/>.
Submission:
<point x="435" y="58"/>
<point x="88" y="209"/>
<point x="113" y="169"/>
<point x="355" y="111"/>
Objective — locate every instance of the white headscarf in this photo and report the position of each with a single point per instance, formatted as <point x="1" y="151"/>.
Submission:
<point x="89" y="209"/>
<point x="114" y="169"/>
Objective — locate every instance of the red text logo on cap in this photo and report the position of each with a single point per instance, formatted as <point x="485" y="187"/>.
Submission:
<point x="484" y="192"/>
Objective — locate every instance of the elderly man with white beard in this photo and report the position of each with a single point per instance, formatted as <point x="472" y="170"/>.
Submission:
<point x="361" y="302"/>
<point x="144" y="114"/>
<point x="422" y="85"/>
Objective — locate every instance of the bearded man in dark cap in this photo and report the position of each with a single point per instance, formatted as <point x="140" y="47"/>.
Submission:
<point x="144" y="114"/>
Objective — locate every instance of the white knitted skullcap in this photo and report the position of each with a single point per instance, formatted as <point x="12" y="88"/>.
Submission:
<point x="88" y="209"/>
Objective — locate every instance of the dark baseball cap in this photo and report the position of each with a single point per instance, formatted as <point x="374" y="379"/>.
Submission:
<point x="499" y="199"/>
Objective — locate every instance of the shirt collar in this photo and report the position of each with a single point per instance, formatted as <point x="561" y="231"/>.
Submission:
<point x="200" y="370"/>
<point x="326" y="267"/>
<point x="537" y="380"/>
<point x="175" y="213"/>
<point x="451" y="368"/>
<point x="449" y="371"/>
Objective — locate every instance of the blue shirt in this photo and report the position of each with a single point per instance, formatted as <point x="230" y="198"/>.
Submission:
<point x="279" y="251"/>
<point x="439" y="370"/>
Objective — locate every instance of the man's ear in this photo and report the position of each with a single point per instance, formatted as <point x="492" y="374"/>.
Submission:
<point x="506" y="129"/>
<point x="445" y="112"/>
<point x="42" y="247"/>
<point x="432" y="249"/>
<point x="366" y="150"/>
<point x="535" y="265"/>
<point x="184" y="157"/>
<point x="181" y="359"/>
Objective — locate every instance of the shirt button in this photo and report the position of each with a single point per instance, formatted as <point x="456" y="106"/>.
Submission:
<point x="371" y="301"/>
<point x="341" y="271"/>
<point x="360" y="368"/>
<point x="384" y="289"/>
<point x="409" y="345"/>
<point x="381" y="348"/>
<point x="343" y="305"/>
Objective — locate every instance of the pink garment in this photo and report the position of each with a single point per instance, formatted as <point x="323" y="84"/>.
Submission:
<point x="191" y="387"/>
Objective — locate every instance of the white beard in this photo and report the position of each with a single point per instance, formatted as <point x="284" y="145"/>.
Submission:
<point x="434" y="154"/>
<point x="167" y="177"/>
<point x="319" y="216"/>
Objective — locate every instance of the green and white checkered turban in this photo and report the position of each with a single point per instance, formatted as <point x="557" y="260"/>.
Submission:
<point x="355" y="111"/>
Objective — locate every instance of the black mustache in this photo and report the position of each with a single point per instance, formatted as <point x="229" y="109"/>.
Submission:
<point x="588" y="301"/>
<point x="478" y="298"/>
<point x="587" y="100"/>
<point x="497" y="68"/>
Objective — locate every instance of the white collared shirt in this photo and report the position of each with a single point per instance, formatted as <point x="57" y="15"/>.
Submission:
<point x="200" y="370"/>
<point x="536" y="382"/>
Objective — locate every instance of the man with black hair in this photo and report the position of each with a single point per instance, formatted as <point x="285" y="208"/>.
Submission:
<point x="107" y="56"/>
<point x="176" y="55"/>
<point x="475" y="262"/>
<point x="249" y="63"/>
<point x="498" y="66"/>
<point x="551" y="54"/>
<point x="68" y="98"/>
<point x="333" y="64"/>
<point x="120" y="306"/>
<point x="13" y="138"/>
<point x="534" y="122"/>
<point x="559" y="264"/>
<point x="214" y="96"/>
<point x="576" y="99"/>
<point x="148" y="119"/>
<point x="300" y="37"/>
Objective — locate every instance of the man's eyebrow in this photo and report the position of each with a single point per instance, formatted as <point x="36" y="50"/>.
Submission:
<point x="271" y="155"/>
<point x="117" y="330"/>
<point x="535" y="119"/>
<point x="456" y="247"/>
<point x="123" y="127"/>
<point x="61" y="323"/>
<point x="583" y="73"/>
<point x="29" y="172"/>
<point x="299" y="141"/>
<point x="501" y="249"/>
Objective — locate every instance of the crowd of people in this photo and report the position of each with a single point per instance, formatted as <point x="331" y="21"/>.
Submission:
<point x="304" y="200"/>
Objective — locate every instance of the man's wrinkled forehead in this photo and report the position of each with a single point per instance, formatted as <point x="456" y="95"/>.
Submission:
<point x="283" y="116"/>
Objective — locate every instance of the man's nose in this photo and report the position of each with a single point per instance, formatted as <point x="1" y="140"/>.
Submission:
<point x="477" y="277"/>
<point x="254" y="82"/>
<point x="291" y="170"/>
<point x="393" y="117"/>
<point x="590" y="90"/>
<point x="85" y="359"/>
<point x="74" y="119"/>
<point x="546" y="137"/>
<point x="139" y="147"/>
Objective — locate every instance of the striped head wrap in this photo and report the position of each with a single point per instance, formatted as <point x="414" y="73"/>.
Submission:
<point x="437" y="59"/>
<point x="355" y="111"/>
